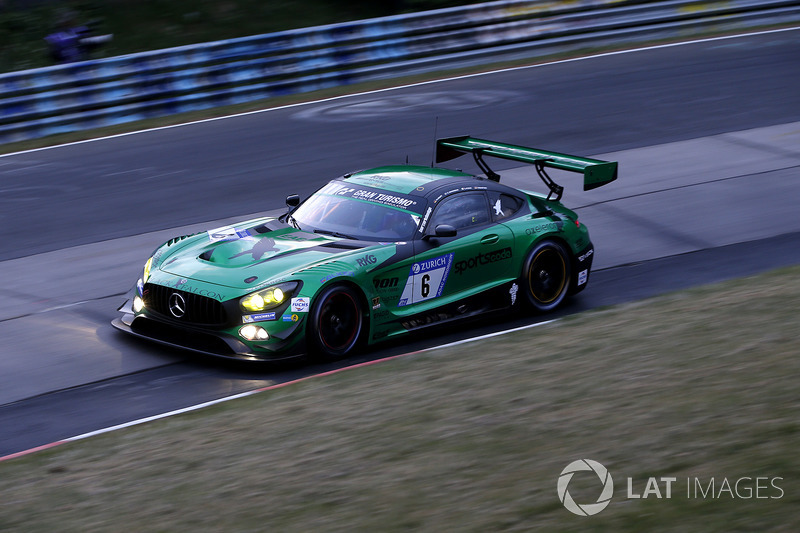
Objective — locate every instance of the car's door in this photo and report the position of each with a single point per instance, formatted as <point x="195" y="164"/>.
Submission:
<point x="450" y="268"/>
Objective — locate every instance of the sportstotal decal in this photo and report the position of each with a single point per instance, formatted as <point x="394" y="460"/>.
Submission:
<point x="426" y="280"/>
<point x="484" y="259"/>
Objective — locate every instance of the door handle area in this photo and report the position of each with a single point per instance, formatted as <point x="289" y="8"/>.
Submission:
<point x="490" y="239"/>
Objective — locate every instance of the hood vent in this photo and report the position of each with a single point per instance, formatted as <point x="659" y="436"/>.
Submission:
<point x="345" y="245"/>
<point x="272" y="225"/>
<point x="178" y="239"/>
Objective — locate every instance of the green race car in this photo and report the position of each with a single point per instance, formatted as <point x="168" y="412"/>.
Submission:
<point x="369" y="256"/>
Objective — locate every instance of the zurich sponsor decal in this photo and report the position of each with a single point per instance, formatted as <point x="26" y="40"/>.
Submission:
<point x="426" y="280"/>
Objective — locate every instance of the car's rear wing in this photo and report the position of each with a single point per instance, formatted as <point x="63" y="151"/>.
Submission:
<point x="596" y="173"/>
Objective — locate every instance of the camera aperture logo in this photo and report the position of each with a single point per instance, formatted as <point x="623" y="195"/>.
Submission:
<point x="586" y="509"/>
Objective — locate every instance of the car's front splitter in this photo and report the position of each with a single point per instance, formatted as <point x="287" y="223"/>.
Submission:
<point x="203" y="342"/>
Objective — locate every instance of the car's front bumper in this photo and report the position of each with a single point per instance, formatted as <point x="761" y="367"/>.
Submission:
<point x="204" y="341"/>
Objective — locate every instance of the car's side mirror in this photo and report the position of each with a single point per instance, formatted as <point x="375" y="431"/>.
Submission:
<point x="445" y="230"/>
<point x="442" y="230"/>
<point x="293" y="200"/>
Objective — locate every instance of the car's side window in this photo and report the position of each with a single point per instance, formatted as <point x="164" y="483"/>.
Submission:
<point x="461" y="211"/>
<point x="504" y="205"/>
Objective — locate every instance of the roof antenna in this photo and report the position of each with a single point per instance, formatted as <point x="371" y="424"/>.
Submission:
<point x="435" y="133"/>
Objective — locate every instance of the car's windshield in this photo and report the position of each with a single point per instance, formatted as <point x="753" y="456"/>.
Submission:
<point x="343" y="212"/>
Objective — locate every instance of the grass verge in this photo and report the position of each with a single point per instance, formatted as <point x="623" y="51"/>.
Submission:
<point x="700" y="384"/>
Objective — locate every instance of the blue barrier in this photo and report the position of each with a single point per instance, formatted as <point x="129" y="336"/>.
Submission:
<point x="91" y="94"/>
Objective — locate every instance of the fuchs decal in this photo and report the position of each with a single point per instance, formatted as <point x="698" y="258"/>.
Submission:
<point x="300" y="305"/>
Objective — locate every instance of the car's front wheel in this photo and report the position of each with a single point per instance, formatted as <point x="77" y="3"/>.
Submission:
<point x="546" y="275"/>
<point x="336" y="323"/>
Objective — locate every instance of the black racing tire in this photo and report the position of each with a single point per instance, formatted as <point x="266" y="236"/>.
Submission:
<point x="546" y="275"/>
<point x="336" y="322"/>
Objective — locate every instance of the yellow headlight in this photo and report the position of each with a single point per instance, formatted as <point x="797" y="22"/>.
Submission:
<point x="254" y="302"/>
<point x="262" y="300"/>
<point x="268" y="298"/>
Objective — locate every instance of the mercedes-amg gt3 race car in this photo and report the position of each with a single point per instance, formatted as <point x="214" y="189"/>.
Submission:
<point x="369" y="256"/>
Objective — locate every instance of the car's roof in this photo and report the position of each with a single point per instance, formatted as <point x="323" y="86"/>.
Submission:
<point x="405" y="179"/>
<point x="421" y="181"/>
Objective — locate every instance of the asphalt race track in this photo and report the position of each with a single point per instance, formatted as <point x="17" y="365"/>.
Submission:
<point x="707" y="135"/>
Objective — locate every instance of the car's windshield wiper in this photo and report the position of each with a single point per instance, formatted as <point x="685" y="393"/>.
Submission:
<point x="291" y="220"/>
<point x="335" y="234"/>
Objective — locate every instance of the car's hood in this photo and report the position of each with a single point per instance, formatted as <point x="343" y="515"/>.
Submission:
<point x="242" y="257"/>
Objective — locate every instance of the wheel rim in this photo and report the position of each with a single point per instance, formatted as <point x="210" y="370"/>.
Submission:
<point x="339" y="322"/>
<point x="547" y="276"/>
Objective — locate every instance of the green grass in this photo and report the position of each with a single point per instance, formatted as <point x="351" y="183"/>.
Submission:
<point x="696" y="384"/>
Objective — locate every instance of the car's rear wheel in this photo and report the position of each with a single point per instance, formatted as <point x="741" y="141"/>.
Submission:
<point x="336" y="323"/>
<point x="546" y="275"/>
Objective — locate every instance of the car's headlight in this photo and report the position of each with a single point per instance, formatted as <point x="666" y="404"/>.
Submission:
<point x="268" y="298"/>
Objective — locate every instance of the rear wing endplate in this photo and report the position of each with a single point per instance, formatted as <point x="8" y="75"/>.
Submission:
<point x="596" y="173"/>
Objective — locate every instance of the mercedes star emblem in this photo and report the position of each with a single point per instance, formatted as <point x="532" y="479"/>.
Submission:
<point x="177" y="305"/>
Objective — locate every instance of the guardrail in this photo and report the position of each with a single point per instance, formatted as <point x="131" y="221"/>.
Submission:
<point x="90" y="94"/>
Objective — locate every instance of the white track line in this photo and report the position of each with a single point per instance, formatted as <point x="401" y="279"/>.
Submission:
<point x="464" y="341"/>
<point x="260" y="390"/>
